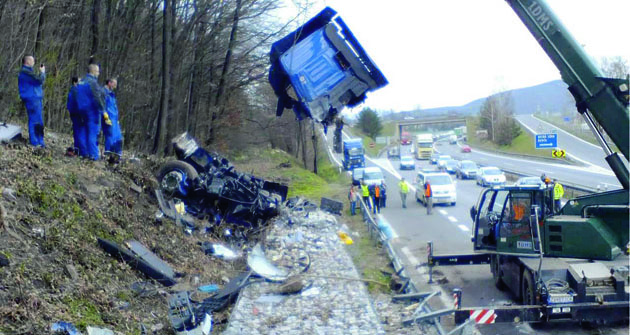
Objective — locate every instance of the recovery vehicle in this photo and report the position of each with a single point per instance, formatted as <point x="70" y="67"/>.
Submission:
<point x="568" y="263"/>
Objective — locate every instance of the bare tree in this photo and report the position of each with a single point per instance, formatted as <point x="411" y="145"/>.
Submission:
<point x="160" y="136"/>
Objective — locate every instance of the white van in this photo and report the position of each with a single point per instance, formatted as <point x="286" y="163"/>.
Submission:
<point x="442" y="186"/>
<point x="373" y="175"/>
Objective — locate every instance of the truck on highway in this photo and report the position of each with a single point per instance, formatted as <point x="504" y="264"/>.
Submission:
<point x="353" y="154"/>
<point x="405" y="138"/>
<point x="423" y="146"/>
<point x="568" y="263"/>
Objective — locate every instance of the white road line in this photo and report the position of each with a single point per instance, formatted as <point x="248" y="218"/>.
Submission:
<point x="412" y="259"/>
<point x="452" y="218"/>
<point x="464" y="228"/>
<point x="443" y="212"/>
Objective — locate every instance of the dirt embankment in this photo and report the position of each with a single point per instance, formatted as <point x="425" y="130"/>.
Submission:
<point x="57" y="271"/>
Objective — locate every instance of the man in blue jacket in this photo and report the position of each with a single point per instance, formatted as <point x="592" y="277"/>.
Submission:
<point x="111" y="129"/>
<point x="91" y="103"/>
<point x="78" y="121"/>
<point x="30" y="87"/>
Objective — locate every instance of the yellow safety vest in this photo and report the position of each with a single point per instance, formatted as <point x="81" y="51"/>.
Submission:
<point x="366" y="191"/>
<point x="558" y="191"/>
<point x="404" y="188"/>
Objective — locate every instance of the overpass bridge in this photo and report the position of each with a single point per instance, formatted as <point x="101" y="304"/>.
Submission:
<point x="428" y="124"/>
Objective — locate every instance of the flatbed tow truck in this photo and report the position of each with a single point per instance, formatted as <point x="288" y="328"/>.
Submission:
<point x="568" y="263"/>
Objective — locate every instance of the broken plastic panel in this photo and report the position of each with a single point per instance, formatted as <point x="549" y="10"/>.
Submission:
<point x="183" y="319"/>
<point x="324" y="66"/>
<point x="258" y="262"/>
<point x="219" y="250"/>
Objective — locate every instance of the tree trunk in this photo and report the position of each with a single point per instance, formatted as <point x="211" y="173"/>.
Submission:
<point x="220" y="99"/>
<point x="314" y="147"/>
<point x="96" y="9"/>
<point x="38" y="38"/>
<point x="160" y="136"/>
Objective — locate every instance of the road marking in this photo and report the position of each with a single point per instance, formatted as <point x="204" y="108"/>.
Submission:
<point x="443" y="212"/>
<point x="414" y="261"/>
<point x="452" y="218"/>
<point x="464" y="228"/>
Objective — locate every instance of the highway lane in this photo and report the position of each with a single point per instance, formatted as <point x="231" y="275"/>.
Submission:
<point x="449" y="229"/>
<point x="575" y="147"/>
<point x="590" y="176"/>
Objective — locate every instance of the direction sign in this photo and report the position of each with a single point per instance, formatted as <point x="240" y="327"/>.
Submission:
<point x="546" y="141"/>
<point x="560" y="153"/>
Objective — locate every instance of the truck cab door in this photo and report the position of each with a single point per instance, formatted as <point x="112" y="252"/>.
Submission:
<point x="517" y="227"/>
<point x="486" y="215"/>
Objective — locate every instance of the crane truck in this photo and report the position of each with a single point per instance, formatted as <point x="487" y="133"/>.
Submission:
<point x="568" y="263"/>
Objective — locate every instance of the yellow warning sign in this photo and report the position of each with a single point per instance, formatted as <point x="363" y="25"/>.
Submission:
<point x="560" y="153"/>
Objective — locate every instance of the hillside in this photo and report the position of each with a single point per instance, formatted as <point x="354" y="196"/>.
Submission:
<point x="552" y="96"/>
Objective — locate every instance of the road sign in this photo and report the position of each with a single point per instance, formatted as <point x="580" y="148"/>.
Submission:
<point x="560" y="153"/>
<point x="371" y="144"/>
<point x="546" y="141"/>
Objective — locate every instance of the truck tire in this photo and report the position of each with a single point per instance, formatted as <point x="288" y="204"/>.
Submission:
<point x="179" y="166"/>
<point x="528" y="289"/>
<point x="496" y="272"/>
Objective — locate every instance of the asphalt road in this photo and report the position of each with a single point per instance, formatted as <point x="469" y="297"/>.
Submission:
<point x="590" y="176"/>
<point x="449" y="229"/>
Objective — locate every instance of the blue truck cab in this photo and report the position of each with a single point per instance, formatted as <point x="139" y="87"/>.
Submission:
<point x="353" y="155"/>
<point x="320" y="68"/>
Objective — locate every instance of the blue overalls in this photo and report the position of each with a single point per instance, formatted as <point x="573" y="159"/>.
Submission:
<point x="79" y="132"/>
<point x="91" y="103"/>
<point x="31" y="92"/>
<point x="112" y="134"/>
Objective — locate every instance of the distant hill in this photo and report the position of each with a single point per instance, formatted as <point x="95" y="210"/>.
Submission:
<point x="552" y="96"/>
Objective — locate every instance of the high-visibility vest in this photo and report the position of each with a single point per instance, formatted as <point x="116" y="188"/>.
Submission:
<point x="558" y="191"/>
<point x="427" y="191"/>
<point x="366" y="190"/>
<point x="377" y="191"/>
<point x="404" y="188"/>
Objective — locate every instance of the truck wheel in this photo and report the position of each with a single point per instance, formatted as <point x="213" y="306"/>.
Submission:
<point x="175" y="177"/>
<point x="528" y="291"/>
<point x="496" y="272"/>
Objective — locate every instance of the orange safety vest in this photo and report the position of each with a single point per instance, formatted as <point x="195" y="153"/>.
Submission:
<point x="377" y="191"/>
<point x="427" y="191"/>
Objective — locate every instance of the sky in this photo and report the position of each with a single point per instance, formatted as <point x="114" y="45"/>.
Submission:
<point x="438" y="53"/>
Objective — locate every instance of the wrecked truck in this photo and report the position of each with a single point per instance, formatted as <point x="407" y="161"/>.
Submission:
<point x="320" y="68"/>
<point x="210" y="188"/>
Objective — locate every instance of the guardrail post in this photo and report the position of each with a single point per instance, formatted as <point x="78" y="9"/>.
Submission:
<point x="430" y="260"/>
<point x="457" y="297"/>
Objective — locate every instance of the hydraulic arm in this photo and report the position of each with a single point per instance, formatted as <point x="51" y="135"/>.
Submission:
<point x="604" y="99"/>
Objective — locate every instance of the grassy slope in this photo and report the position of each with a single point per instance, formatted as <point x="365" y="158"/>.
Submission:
<point x="389" y="129"/>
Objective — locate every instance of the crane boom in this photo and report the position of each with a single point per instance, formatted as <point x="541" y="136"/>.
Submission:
<point x="603" y="98"/>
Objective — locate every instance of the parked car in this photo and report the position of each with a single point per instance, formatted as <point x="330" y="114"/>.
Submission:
<point x="452" y="139"/>
<point x="373" y="175"/>
<point x="442" y="185"/>
<point x="449" y="166"/>
<point x="407" y="163"/>
<point x="466" y="148"/>
<point x="357" y="175"/>
<point x="529" y="181"/>
<point x="393" y="152"/>
<point x="442" y="160"/>
<point x="434" y="157"/>
<point x="490" y="176"/>
<point x="466" y="170"/>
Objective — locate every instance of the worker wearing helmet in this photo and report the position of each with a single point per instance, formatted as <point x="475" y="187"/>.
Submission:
<point x="558" y="193"/>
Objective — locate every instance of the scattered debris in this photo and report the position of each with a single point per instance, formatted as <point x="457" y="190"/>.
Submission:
<point x="144" y="289"/>
<point x="9" y="132"/>
<point x="99" y="331"/>
<point x="72" y="272"/>
<point x="310" y="292"/>
<point x="331" y="206"/>
<point x="183" y="318"/>
<point x="135" y="188"/>
<point x="208" y="186"/>
<point x="4" y="260"/>
<point x="292" y="286"/>
<point x="143" y="260"/>
<point x="345" y="238"/>
<point x="208" y="288"/>
<point x="8" y="193"/>
<point x="220" y="251"/>
<point x="259" y="263"/>
<point x="64" y="328"/>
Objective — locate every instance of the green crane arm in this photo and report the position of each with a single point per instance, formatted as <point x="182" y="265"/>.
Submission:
<point x="605" y="99"/>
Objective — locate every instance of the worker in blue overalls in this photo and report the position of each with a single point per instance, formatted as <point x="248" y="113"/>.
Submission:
<point x="30" y="85"/>
<point x="111" y="130"/>
<point x="78" y="122"/>
<point x="91" y="103"/>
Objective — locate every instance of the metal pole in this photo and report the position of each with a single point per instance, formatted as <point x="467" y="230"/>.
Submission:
<point x="457" y="297"/>
<point x="430" y="263"/>
<point x="597" y="133"/>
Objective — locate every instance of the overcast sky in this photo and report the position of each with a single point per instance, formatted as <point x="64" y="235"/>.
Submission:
<point x="449" y="52"/>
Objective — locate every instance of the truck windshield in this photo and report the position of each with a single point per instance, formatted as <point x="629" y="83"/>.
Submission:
<point x="425" y="145"/>
<point x="355" y="151"/>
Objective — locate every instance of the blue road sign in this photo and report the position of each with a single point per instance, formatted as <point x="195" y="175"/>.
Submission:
<point x="567" y="119"/>
<point x="546" y="141"/>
